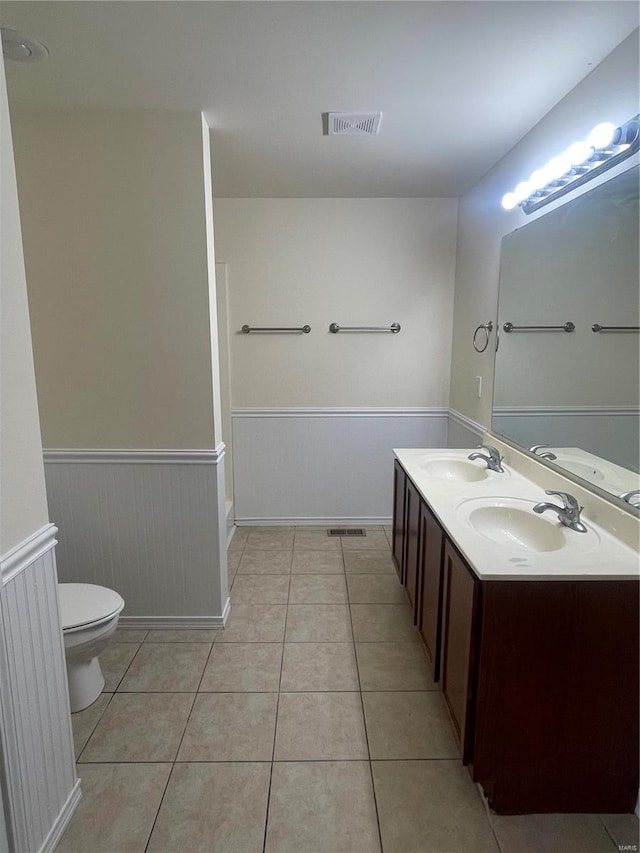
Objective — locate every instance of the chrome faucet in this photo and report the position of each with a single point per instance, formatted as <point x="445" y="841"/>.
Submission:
<point x="568" y="514"/>
<point x="493" y="460"/>
<point x="546" y="455"/>
<point x="627" y="497"/>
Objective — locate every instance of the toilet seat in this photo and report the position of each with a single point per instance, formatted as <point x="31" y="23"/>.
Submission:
<point x="83" y="604"/>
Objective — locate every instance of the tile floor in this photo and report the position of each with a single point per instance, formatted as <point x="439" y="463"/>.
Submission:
<point x="309" y="725"/>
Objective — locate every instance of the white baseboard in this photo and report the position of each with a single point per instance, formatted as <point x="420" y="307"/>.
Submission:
<point x="177" y="622"/>
<point x="62" y="821"/>
<point x="300" y="521"/>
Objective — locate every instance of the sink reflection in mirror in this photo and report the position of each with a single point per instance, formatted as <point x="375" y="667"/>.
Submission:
<point x="511" y="522"/>
<point x="576" y="392"/>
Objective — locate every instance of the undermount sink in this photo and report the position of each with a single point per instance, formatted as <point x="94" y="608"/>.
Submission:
<point x="511" y="522"/>
<point x="455" y="469"/>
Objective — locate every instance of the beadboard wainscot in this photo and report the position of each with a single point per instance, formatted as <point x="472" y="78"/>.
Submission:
<point x="40" y="783"/>
<point x="327" y="465"/>
<point x="150" y="524"/>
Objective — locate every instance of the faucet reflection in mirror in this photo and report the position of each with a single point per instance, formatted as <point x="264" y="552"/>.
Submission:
<point x="605" y="147"/>
<point x="576" y="393"/>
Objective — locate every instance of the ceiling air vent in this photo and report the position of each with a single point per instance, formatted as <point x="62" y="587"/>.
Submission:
<point x="353" y="124"/>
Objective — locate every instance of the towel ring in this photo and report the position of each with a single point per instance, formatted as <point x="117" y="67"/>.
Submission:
<point x="487" y="328"/>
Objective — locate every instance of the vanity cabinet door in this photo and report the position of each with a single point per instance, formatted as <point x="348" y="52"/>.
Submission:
<point x="399" y="502"/>
<point x="430" y="594"/>
<point x="459" y="616"/>
<point x="412" y="544"/>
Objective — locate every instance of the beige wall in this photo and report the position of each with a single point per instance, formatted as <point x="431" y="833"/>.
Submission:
<point x="113" y="207"/>
<point x="610" y="93"/>
<point x="23" y="504"/>
<point x="349" y="261"/>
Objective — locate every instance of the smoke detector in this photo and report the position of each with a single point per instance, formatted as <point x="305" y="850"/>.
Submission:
<point x="353" y="124"/>
<point x="22" y="48"/>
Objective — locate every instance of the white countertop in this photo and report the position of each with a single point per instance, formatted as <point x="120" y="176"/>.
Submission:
<point x="596" y="555"/>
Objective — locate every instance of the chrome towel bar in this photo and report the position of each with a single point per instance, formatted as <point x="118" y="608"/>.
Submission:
<point x="305" y="329"/>
<point x="566" y="327"/>
<point x="394" y="328"/>
<point x="598" y="328"/>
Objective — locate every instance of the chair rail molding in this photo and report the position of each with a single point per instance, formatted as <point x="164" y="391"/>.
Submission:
<point x="135" y="457"/>
<point x="340" y="412"/>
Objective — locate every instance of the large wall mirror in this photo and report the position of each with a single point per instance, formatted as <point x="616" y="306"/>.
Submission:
<point x="570" y="387"/>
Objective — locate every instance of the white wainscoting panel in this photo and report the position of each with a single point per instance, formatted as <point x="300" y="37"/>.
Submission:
<point x="463" y="432"/>
<point x="608" y="432"/>
<point x="324" y="465"/>
<point x="149" y="524"/>
<point x="41" y="784"/>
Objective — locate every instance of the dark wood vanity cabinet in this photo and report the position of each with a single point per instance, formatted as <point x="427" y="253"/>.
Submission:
<point x="430" y="571"/>
<point x="459" y="645"/>
<point x="407" y="546"/>
<point x="399" y="496"/>
<point x="540" y="678"/>
<point x="412" y="544"/>
<point x="555" y="726"/>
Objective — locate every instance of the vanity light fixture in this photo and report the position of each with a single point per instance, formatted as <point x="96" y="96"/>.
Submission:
<point x="603" y="148"/>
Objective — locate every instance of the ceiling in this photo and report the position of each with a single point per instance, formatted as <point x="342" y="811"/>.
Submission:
<point x="458" y="83"/>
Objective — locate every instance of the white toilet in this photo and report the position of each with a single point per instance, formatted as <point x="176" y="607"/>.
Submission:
<point x="89" y="617"/>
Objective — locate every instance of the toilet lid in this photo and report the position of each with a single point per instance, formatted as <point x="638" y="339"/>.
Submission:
<point x="84" y="603"/>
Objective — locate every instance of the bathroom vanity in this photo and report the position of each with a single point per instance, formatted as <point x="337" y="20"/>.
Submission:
<point x="531" y="630"/>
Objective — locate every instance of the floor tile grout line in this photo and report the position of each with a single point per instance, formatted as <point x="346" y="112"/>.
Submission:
<point x="266" y="761"/>
<point x="487" y="811"/>
<point x="113" y="692"/>
<point x="204" y="669"/>
<point x="235" y="574"/>
<point x="116" y="689"/>
<point x="111" y="695"/>
<point x="275" y="726"/>
<point x="615" y="844"/>
<point x="366" y="733"/>
<point x="173" y="762"/>
<point x="164" y="793"/>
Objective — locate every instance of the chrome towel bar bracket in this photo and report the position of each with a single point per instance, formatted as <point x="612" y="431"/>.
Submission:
<point x="598" y="328"/>
<point x="304" y="329"/>
<point x="394" y="328"/>
<point x="566" y="327"/>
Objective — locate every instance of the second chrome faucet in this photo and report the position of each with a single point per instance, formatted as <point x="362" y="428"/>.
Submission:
<point x="568" y="513"/>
